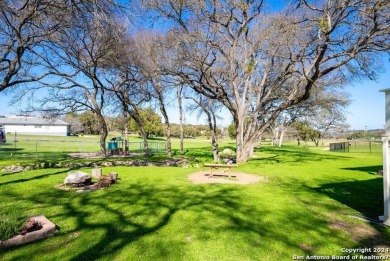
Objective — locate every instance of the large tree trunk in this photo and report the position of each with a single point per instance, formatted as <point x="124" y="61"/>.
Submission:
<point x="214" y="134"/>
<point x="126" y="132"/>
<point x="179" y="90"/>
<point x="103" y="133"/>
<point x="137" y="119"/>
<point x="281" y="137"/>
<point x="245" y="141"/>
<point x="168" y="130"/>
<point x="242" y="149"/>
<point x="214" y="140"/>
<point x="275" y="137"/>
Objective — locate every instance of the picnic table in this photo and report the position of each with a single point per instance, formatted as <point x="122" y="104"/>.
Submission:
<point x="220" y="166"/>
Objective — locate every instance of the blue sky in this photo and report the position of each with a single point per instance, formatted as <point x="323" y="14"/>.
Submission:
<point x="367" y="108"/>
<point x="368" y="104"/>
<point x="366" y="111"/>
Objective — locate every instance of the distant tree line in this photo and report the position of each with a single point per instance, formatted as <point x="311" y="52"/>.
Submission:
<point x="85" y="123"/>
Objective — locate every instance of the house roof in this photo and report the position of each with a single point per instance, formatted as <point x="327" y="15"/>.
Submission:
<point x="31" y="121"/>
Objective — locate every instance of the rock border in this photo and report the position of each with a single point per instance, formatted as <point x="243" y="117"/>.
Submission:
<point x="48" y="229"/>
<point x="135" y="163"/>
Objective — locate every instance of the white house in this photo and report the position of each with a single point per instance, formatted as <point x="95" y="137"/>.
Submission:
<point x="34" y="125"/>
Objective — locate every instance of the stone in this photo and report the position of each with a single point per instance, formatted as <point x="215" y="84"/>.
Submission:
<point x="105" y="181"/>
<point x="114" y="176"/>
<point x="97" y="173"/>
<point x="77" y="177"/>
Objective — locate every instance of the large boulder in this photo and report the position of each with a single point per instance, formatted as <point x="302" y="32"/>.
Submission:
<point x="77" y="178"/>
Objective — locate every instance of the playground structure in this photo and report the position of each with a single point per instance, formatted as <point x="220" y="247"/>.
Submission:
<point x="115" y="146"/>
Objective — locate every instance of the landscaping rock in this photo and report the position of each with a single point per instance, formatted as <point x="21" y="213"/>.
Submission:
<point x="170" y="162"/>
<point x="77" y="177"/>
<point x="96" y="173"/>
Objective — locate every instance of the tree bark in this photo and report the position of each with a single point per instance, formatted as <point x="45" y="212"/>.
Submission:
<point x="168" y="130"/>
<point x="242" y="152"/>
<point x="137" y="119"/>
<point x="214" y="139"/>
<point x="103" y="133"/>
<point x="281" y="136"/>
<point x="179" y="99"/>
<point x="126" y="133"/>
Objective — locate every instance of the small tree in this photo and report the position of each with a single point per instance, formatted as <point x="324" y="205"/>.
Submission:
<point x="151" y="122"/>
<point x="304" y="132"/>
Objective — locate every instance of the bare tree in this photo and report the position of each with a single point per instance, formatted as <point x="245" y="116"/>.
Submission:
<point x="27" y="26"/>
<point x="179" y="95"/>
<point x="128" y="88"/>
<point x="24" y="26"/>
<point x="330" y="114"/>
<point x="204" y="105"/>
<point x="259" y="65"/>
<point x="150" y="58"/>
<point x="78" y="59"/>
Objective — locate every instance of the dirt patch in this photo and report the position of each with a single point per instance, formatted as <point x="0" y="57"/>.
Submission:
<point x="93" y="186"/>
<point x="223" y="177"/>
<point x="363" y="233"/>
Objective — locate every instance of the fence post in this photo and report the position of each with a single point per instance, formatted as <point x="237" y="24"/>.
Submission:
<point x="36" y="150"/>
<point x="370" y="146"/>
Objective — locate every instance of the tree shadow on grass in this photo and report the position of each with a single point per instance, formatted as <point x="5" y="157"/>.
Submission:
<point x="364" y="196"/>
<point x="9" y="149"/>
<point x="106" y="223"/>
<point x="35" y="177"/>
<point x="294" y="155"/>
<point x="373" y="170"/>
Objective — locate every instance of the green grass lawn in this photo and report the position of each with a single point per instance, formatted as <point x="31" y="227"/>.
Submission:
<point x="156" y="213"/>
<point x="30" y="149"/>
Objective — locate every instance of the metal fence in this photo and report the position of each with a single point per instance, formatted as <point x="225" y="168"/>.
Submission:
<point x="153" y="146"/>
<point x="357" y="146"/>
<point x="46" y="149"/>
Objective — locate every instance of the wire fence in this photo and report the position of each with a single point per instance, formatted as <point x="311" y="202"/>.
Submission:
<point x="357" y="146"/>
<point x="45" y="149"/>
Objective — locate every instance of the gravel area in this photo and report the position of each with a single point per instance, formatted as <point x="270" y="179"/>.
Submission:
<point x="222" y="177"/>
